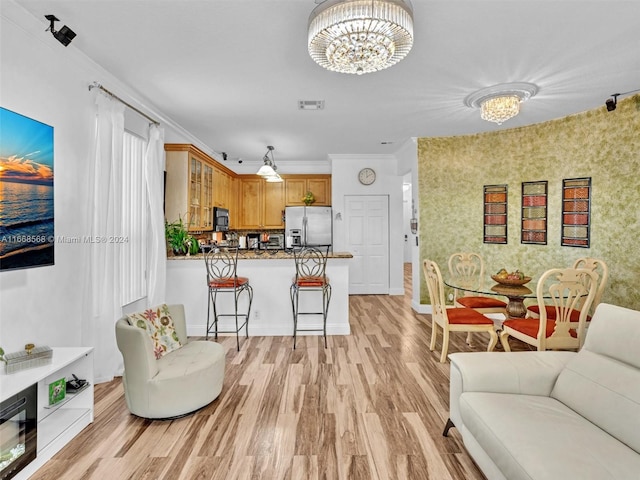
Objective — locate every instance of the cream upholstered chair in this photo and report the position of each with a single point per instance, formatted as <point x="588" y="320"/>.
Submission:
<point x="452" y="319"/>
<point x="468" y="269"/>
<point x="570" y="290"/>
<point x="178" y="383"/>
<point x="599" y="267"/>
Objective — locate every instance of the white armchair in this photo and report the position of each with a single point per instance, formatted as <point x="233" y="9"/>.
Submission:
<point x="177" y="384"/>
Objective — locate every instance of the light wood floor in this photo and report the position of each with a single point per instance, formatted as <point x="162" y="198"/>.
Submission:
<point x="370" y="406"/>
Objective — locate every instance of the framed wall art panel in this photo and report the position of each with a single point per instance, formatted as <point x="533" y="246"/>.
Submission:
<point x="576" y="212"/>
<point x="495" y="214"/>
<point x="534" y="213"/>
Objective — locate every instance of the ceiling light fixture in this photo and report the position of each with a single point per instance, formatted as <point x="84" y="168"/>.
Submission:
<point x="269" y="169"/>
<point x="360" y="36"/>
<point x="501" y="102"/>
<point x="64" y="35"/>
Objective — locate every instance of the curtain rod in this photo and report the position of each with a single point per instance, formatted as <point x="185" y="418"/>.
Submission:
<point x="113" y="95"/>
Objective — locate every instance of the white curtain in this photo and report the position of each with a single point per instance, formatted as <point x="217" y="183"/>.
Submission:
<point x="103" y="299"/>
<point x="156" y="249"/>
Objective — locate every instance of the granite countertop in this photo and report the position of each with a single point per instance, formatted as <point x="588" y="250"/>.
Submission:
<point x="261" y="255"/>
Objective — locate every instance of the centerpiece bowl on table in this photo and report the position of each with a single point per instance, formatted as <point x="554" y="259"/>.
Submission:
<point x="511" y="281"/>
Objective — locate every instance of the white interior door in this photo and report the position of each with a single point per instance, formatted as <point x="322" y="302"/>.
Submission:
<point x="367" y="229"/>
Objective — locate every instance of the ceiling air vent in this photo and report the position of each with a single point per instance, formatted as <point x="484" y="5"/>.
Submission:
<point x="311" y="105"/>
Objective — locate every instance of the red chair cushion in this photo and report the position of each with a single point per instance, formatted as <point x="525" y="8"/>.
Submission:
<point x="463" y="316"/>
<point x="481" y="302"/>
<point x="551" y="313"/>
<point x="530" y="326"/>
<point x="229" y="282"/>
<point x="311" y="281"/>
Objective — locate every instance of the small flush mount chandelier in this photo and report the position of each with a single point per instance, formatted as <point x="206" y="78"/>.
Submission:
<point x="269" y="169"/>
<point x="501" y="102"/>
<point x="360" y="36"/>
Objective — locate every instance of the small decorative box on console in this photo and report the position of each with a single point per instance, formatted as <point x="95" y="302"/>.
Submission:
<point x="28" y="358"/>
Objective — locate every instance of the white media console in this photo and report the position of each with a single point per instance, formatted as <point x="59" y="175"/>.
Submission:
<point x="61" y="422"/>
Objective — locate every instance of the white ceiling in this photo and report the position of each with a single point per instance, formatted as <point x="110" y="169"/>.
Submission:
<point x="231" y="72"/>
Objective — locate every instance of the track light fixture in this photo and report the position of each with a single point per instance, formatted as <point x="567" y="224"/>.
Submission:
<point x="64" y="35"/>
<point x="612" y="103"/>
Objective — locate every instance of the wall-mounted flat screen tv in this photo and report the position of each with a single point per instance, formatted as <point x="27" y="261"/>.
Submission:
<point x="27" y="234"/>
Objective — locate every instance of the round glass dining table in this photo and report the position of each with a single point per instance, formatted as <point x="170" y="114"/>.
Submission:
<point x="515" y="293"/>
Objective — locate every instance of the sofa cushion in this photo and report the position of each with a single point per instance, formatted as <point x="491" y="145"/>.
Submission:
<point x="606" y="392"/>
<point x="187" y="379"/>
<point x="615" y="332"/>
<point x="158" y="324"/>
<point x="602" y="382"/>
<point x="535" y="437"/>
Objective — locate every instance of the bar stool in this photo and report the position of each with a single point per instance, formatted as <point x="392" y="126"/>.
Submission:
<point x="311" y="265"/>
<point x="222" y="277"/>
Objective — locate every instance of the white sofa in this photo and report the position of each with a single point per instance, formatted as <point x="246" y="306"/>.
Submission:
<point x="177" y="384"/>
<point x="554" y="415"/>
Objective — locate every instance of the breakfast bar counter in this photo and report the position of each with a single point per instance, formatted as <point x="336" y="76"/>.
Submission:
<point x="270" y="274"/>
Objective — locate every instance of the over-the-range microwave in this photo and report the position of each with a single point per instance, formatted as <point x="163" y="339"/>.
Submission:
<point x="220" y="219"/>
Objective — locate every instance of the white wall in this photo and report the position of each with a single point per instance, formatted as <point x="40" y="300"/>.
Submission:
<point x="408" y="165"/>
<point x="43" y="80"/>
<point x="344" y="181"/>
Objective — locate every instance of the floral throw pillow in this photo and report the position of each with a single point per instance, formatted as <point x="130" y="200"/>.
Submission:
<point x="159" y="326"/>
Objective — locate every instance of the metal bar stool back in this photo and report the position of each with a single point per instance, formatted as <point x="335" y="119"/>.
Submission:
<point x="222" y="277"/>
<point x="311" y="265"/>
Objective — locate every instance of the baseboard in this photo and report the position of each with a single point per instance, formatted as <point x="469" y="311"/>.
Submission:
<point x="421" y="308"/>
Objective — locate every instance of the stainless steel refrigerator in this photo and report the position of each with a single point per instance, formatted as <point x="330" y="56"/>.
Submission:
<point x="308" y="226"/>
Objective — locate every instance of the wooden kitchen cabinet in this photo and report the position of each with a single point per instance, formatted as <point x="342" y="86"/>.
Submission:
<point x="234" y="204"/>
<point x="273" y="205"/>
<point x="252" y="202"/>
<point x="297" y="186"/>
<point x="221" y="190"/>
<point x="195" y="183"/>
<point x="262" y="203"/>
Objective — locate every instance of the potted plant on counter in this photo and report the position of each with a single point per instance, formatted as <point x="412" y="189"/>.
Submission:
<point x="179" y="240"/>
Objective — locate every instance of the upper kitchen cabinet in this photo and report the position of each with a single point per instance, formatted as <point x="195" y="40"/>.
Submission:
<point x="297" y="186"/>
<point x="195" y="184"/>
<point x="262" y="203"/>
<point x="274" y="204"/>
<point x="221" y="188"/>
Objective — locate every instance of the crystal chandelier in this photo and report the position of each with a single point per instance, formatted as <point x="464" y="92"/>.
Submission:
<point x="360" y="36"/>
<point x="269" y="169"/>
<point x="500" y="109"/>
<point x="501" y="102"/>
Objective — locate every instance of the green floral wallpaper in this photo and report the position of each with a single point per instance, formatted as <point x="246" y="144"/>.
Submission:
<point x="598" y="144"/>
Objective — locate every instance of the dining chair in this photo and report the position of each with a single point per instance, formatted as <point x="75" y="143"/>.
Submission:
<point x="452" y="319"/>
<point x="599" y="267"/>
<point x="222" y="278"/>
<point x="468" y="270"/>
<point x="571" y="292"/>
<point x="311" y="267"/>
